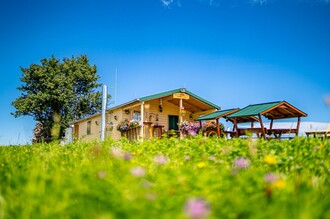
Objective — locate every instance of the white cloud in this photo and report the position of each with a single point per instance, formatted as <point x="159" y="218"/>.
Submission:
<point x="260" y="2"/>
<point x="167" y="3"/>
<point x="216" y="3"/>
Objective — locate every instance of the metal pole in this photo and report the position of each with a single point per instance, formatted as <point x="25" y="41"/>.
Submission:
<point x="104" y="108"/>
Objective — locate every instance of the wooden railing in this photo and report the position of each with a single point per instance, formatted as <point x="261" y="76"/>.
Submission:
<point x="132" y="134"/>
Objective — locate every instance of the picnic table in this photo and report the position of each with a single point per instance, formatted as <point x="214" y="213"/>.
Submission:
<point x="246" y="131"/>
<point x="278" y="132"/>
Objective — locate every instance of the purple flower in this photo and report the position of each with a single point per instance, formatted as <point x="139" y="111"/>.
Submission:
<point x="192" y="132"/>
<point x="160" y="159"/>
<point x="241" y="163"/>
<point x="138" y="171"/>
<point x="127" y="156"/>
<point x="189" y="128"/>
<point x="270" y="177"/>
<point x="116" y="152"/>
<point x="102" y="174"/>
<point x="196" y="208"/>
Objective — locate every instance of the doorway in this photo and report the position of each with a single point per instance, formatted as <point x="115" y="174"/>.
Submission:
<point x="173" y="122"/>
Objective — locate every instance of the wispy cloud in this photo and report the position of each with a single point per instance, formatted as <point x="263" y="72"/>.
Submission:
<point x="168" y="3"/>
<point x="259" y="2"/>
<point x="217" y="3"/>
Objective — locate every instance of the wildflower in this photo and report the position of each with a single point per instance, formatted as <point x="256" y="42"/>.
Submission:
<point x="160" y="159"/>
<point x="127" y="156"/>
<point x="102" y="174"/>
<point x="196" y="208"/>
<point x="151" y="196"/>
<point x="270" y="178"/>
<point x="192" y="132"/>
<point x="212" y="158"/>
<point x="138" y="171"/>
<point x="279" y="184"/>
<point x="270" y="159"/>
<point x="241" y="163"/>
<point x="186" y="157"/>
<point x="201" y="164"/>
<point x="116" y="152"/>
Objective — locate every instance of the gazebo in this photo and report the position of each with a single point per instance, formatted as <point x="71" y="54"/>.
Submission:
<point x="272" y="111"/>
<point x="216" y="116"/>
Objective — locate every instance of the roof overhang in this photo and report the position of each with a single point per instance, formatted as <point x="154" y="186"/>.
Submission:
<point x="194" y="104"/>
<point x="216" y="115"/>
<point x="272" y="110"/>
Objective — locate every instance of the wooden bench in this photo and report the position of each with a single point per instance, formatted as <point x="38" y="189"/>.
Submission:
<point x="320" y="133"/>
<point x="278" y="132"/>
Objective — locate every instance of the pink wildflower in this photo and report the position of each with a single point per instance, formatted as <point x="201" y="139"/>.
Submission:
<point x="138" y="171"/>
<point x="116" y="152"/>
<point x="241" y="163"/>
<point x="102" y="174"/>
<point x="196" y="208"/>
<point x="270" y="177"/>
<point x="127" y="156"/>
<point x="160" y="159"/>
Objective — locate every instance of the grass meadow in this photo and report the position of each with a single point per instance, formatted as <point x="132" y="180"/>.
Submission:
<point x="172" y="178"/>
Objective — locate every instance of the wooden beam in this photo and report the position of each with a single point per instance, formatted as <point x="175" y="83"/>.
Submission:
<point x="262" y="126"/>
<point x="142" y="120"/>
<point x="218" y="128"/>
<point x="298" y="126"/>
<point x="235" y="125"/>
<point x="131" y="106"/>
<point x="180" y="114"/>
<point x="271" y="124"/>
<point x="195" y="115"/>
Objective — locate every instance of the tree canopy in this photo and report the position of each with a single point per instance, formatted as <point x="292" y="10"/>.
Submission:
<point x="56" y="92"/>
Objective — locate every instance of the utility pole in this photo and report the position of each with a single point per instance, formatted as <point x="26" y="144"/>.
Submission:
<point x="104" y="108"/>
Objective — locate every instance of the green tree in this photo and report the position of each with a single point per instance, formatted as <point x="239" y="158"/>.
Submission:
<point x="57" y="92"/>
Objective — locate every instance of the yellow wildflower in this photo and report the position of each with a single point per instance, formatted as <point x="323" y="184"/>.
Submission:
<point x="270" y="159"/>
<point x="280" y="184"/>
<point x="201" y="164"/>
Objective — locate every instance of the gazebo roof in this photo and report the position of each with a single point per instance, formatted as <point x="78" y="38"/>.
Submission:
<point x="217" y="114"/>
<point x="271" y="110"/>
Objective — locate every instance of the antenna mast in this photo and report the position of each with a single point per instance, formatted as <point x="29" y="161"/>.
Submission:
<point x="115" y="87"/>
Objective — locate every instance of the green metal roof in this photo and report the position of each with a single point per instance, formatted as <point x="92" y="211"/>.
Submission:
<point x="216" y="114"/>
<point x="254" y="110"/>
<point x="179" y="90"/>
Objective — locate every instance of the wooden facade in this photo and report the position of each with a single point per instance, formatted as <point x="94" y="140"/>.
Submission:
<point x="157" y="114"/>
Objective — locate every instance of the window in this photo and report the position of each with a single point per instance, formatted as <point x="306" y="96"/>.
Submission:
<point x="89" y="126"/>
<point x="137" y="115"/>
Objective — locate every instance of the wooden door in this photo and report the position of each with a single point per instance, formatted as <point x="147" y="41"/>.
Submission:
<point x="173" y="122"/>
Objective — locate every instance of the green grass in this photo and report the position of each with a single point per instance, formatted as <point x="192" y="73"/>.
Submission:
<point x="96" y="180"/>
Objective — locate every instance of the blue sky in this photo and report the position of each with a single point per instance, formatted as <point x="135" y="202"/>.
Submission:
<point x="233" y="52"/>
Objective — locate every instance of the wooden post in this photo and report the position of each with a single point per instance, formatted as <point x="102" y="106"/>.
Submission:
<point x="218" y="128"/>
<point x="181" y="119"/>
<point x="142" y="120"/>
<point x="235" y="125"/>
<point x="252" y="124"/>
<point x="298" y="126"/>
<point x="271" y="124"/>
<point x="262" y="126"/>
<point x="180" y="110"/>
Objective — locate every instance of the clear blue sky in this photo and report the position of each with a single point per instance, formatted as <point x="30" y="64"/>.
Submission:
<point x="231" y="52"/>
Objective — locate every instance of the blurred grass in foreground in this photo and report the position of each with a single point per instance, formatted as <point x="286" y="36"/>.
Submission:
<point x="169" y="178"/>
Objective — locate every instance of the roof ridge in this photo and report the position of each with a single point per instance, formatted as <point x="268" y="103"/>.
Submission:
<point x="266" y="103"/>
<point x="172" y="90"/>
